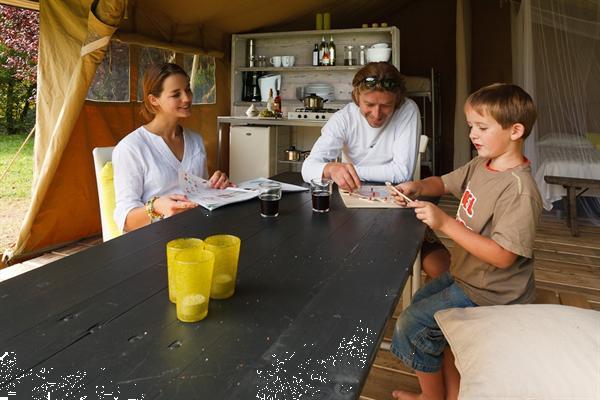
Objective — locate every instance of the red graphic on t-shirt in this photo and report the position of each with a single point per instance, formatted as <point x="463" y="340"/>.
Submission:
<point x="468" y="201"/>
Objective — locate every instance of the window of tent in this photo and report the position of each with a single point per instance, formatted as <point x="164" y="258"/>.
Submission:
<point x="201" y="70"/>
<point x="111" y="82"/>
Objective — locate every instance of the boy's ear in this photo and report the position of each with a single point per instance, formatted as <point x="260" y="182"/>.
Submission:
<point x="517" y="131"/>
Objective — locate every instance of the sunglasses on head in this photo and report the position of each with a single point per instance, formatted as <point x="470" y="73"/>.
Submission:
<point x="372" y="81"/>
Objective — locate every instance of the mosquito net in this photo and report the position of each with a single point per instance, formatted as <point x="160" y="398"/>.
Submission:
<point x="556" y="58"/>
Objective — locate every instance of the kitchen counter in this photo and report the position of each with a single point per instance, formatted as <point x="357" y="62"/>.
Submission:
<point x="243" y="120"/>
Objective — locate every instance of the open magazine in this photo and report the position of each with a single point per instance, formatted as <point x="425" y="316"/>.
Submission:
<point x="198" y="190"/>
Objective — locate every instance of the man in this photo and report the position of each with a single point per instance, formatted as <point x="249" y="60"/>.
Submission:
<point x="378" y="133"/>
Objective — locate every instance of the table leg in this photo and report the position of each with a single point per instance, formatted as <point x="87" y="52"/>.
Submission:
<point x="572" y="202"/>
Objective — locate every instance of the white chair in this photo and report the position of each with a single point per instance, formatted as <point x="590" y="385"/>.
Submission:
<point x="102" y="155"/>
<point x="414" y="283"/>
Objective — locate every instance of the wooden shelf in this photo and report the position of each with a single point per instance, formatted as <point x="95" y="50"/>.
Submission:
<point x="301" y="68"/>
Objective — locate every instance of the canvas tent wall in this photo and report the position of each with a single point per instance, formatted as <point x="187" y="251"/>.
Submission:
<point x="65" y="204"/>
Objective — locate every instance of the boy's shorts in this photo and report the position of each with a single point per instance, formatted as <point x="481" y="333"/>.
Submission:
<point x="418" y="341"/>
<point x="431" y="243"/>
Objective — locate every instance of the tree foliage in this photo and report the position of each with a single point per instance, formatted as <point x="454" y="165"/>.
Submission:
<point x="19" y="37"/>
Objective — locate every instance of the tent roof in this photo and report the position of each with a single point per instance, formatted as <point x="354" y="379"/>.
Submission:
<point x="208" y="26"/>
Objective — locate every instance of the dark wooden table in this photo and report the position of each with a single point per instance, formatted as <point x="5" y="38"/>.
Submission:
<point x="313" y="295"/>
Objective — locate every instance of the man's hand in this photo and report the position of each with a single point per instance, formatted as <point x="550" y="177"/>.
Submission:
<point x="172" y="204"/>
<point x="343" y="174"/>
<point x="429" y="213"/>
<point x="219" y="180"/>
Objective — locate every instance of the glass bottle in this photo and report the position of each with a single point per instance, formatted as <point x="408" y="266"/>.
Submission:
<point x="277" y="104"/>
<point x="348" y="56"/>
<point x="332" y="55"/>
<point x="270" y="101"/>
<point x="362" y="59"/>
<point x="323" y="51"/>
<point x="315" y="55"/>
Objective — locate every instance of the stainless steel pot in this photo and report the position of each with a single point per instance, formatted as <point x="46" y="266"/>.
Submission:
<point x="292" y="154"/>
<point x="313" y="102"/>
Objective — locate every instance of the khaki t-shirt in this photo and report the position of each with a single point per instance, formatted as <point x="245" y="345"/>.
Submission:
<point x="504" y="206"/>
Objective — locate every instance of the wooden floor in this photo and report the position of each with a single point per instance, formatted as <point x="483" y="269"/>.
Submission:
<point x="567" y="271"/>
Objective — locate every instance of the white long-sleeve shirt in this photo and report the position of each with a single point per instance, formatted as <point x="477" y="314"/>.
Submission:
<point x="144" y="166"/>
<point x="378" y="154"/>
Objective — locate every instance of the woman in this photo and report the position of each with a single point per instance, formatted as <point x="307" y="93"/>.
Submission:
<point x="147" y="161"/>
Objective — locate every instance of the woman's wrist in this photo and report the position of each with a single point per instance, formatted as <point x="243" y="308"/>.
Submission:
<point x="153" y="214"/>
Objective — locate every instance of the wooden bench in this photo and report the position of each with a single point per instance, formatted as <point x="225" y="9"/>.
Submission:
<point x="572" y="185"/>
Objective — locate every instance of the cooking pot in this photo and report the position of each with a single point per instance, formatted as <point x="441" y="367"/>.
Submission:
<point x="292" y="154"/>
<point x="313" y="102"/>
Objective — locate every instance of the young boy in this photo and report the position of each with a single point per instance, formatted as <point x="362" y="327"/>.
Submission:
<point x="493" y="232"/>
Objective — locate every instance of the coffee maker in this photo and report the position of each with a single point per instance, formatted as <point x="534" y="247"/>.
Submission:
<point x="250" y="88"/>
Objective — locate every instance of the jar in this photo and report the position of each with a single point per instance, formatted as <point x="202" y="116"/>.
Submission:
<point x="362" y="58"/>
<point x="349" y="56"/>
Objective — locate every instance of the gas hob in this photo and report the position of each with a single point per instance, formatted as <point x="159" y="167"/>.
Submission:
<point x="309" y="114"/>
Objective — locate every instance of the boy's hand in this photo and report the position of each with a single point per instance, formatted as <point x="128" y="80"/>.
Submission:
<point x="411" y="189"/>
<point x="429" y="213"/>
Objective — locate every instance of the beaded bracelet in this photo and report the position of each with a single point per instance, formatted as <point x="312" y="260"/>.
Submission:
<point x="154" y="216"/>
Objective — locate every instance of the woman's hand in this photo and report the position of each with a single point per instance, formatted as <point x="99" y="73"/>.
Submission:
<point x="172" y="204"/>
<point x="219" y="180"/>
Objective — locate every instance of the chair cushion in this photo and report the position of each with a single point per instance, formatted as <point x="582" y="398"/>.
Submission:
<point x="107" y="200"/>
<point x="535" y="351"/>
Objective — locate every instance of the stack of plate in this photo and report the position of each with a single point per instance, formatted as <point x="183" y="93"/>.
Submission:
<point x="324" y="90"/>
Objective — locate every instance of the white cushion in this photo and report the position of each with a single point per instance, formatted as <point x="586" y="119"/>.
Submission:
<point x="535" y="351"/>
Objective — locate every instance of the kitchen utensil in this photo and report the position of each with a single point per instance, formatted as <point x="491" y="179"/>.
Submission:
<point x="292" y="154"/>
<point x="250" y="53"/>
<point x="380" y="45"/>
<point x="375" y="54"/>
<point x="252" y="111"/>
<point x="325" y="90"/>
<point x="313" y="102"/>
<point x="267" y="82"/>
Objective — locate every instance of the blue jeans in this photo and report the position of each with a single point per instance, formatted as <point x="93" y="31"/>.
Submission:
<point x="418" y="341"/>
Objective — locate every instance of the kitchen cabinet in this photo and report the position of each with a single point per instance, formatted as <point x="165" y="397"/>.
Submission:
<point x="300" y="44"/>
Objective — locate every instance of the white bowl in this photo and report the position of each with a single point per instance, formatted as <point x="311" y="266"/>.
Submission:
<point x="378" y="54"/>
<point x="380" y="45"/>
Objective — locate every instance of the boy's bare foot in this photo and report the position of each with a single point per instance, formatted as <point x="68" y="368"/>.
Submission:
<point x="403" y="395"/>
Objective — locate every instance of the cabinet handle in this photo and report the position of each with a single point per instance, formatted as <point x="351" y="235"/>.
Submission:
<point x="248" y="133"/>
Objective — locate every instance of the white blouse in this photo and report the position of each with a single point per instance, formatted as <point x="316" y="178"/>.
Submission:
<point x="144" y="166"/>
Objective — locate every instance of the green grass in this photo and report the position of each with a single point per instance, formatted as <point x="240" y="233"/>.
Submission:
<point x="17" y="183"/>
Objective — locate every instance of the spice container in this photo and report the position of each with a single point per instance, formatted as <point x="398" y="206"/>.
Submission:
<point x="362" y="58"/>
<point x="349" y="56"/>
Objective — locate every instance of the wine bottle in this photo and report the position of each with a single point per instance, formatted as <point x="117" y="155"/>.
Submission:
<point x="270" y="101"/>
<point x="315" y="55"/>
<point x="332" y="55"/>
<point x="323" y="49"/>
<point x="277" y="104"/>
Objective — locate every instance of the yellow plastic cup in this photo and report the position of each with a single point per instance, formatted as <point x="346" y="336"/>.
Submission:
<point x="193" y="278"/>
<point x="226" y="249"/>
<point x="174" y="247"/>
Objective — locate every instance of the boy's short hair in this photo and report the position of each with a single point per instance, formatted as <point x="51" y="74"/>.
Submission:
<point x="508" y="104"/>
